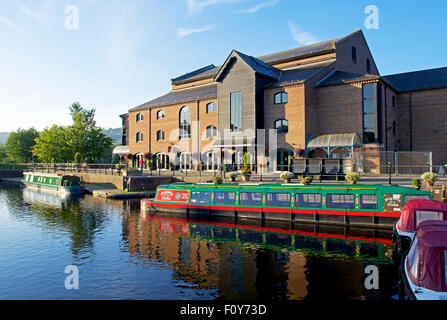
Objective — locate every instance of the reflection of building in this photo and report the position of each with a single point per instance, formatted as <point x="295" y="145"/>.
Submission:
<point x="328" y="88"/>
<point x="245" y="263"/>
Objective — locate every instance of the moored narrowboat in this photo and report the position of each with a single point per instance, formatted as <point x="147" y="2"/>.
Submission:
<point x="60" y="183"/>
<point x="413" y="213"/>
<point x="356" y="205"/>
<point x="423" y="271"/>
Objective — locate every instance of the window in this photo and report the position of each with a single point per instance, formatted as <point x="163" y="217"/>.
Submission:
<point x="278" y="199"/>
<point x="368" y="201"/>
<point x="211" y="131"/>
<point x="224" y="197"/>
<point x="162" y="161"/>
<point x="393" y="101"/>
<point x="185" y="161"/>
<point x="139" y="137"/>
<point x="368" y="66"/>
<point x="354" y="55"/>
<point x="394" y="128"/>
<point x="281" y="97"/>
<point x="411" y="197"/>
<point x="250" y="198"/>
<point x="236" y="111"/>
<point x="211" y="107"/>
<point x="428" y="215"/>
<point x="371" y="112"/>
<point x="200" y="197"/>
<point x="308" y="200"/>
<point x="160" y="114"/>
<point x="413" y="258"/>
<point x="160" y="135"/>
<point x="139" y="117"/>
<point x="281" y="126"/>
<point x="345" y="201"/>
<point x="185" y="123"/>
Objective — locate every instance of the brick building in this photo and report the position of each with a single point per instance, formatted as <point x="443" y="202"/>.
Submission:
<point x="324" y="100"/>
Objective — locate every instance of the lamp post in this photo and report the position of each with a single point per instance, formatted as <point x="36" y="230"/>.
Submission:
<point x="222" y="149"/>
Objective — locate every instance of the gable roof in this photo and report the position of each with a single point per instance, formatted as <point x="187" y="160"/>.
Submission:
<point x="418" y="80"/>
<point x="180" y="96"/>
<point x="199" y="74"/>
<point x="300" y="74"/>
<point x="342" y="77"/>
<point x="255" y="64"/>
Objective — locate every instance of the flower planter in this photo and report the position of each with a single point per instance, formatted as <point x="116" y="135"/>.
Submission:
<point x="246" y="176"/>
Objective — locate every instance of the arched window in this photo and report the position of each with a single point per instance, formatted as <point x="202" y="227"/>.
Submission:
<point x="282" y="126"/>
<point x="281" y="97"/>
<point x="160" y="135"/>
<point x="211" y="107"/>
<point x="184" y="123"/>
<point x="139" y="137"/>
<point x="185" y="161"/>
<point x="162" y="161"/>
<point x="139" y="117"/>
<point x="211" y="131"/>
<point x="160" y="114"/>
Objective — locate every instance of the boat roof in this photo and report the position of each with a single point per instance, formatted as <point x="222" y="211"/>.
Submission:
<point x="408" y="223"/>
<point x="391" y="188"/>
<point x="432" y="234"/>
<point x="46" y="174"/>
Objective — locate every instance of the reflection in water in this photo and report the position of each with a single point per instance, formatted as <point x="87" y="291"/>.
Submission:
<point x="125" y="254"/>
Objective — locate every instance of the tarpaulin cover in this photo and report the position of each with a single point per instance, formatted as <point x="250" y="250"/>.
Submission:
<point x="432" y="244"/>
<point x="407" y="221"/>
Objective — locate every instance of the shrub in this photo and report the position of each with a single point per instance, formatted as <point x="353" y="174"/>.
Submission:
<point x="217" y="180"/>
<point x="231" y="175"/>
<point x="246" y="170"/>
<point x="352" y="177"/>
<point x="286" y="175"/>
<point x="307" y="180"/>
<point x="429" y="178"/>
<point x="416" y="183"/>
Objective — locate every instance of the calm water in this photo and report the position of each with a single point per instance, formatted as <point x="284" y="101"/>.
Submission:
<point x="123" y="254"/>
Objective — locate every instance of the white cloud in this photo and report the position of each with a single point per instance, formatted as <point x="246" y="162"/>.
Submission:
<point x="8" y="23"/>
<point x="36" y="15"/>
<point x="259" y="6"/>
<point x="196" y="6"/>
<point x="301" y="36"/>
<point x="183" y="32"/>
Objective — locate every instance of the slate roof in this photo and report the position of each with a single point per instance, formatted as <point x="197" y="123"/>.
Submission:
<point x="342" y="77"/>
<point x="298" y="75"/>
<point x="180" y="96"/>
<point x="203" y="73"/>
<point x="418" y="80"/>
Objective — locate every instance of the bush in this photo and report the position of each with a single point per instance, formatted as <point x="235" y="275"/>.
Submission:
<point x="286" y="175"/>
<point x="352" y="177"/>
<point x="416" y="183"/>
<point x="429" y="178"/>
<point x="246" y="170"/>
<point x="307" y="180"/>
<point x="217" y="180"/>
<point x="231" y="175"/>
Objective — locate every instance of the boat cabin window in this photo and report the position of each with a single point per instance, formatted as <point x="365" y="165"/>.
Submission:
<point x="345" y="201"/>
<point x="413" y="258"/>
<point x="422" y="215"/>
<point x="278" y="199"/>
<point x="368" y="201"/>
<point x="411" y="197"/>
<point x="200" y="197"/>
<point x="308" y="200"/>
<point x="250" y="198"/>
<point x="224" y="197"/>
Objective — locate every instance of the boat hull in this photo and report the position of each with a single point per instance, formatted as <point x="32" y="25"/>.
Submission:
<point x="59" y="189"/>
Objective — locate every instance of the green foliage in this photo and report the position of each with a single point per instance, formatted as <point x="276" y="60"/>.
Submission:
<point x="3" y="153"/>
<point x="416" y="183"/>
<point x="307" y="180"/>
<point x="286" y="175"/>
<point x="429" y="178"/>
<point x="217" y="180"/>
<point x="20" y="143"/>
<point x="77" y="158"/>
<point x="352" y="177"/>
<point x="245" y="159"/>
<point x="83" y="137"/>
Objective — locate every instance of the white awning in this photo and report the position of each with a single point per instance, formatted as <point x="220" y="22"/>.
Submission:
<point x="121" y="150"/>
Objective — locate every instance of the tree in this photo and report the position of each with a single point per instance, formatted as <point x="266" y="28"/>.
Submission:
<point x="3" y="153"/>
<point x="82" y="140"/>
<point x="20" y="143"/>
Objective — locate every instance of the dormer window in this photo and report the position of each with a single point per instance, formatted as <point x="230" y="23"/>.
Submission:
<point x="281" y="98"/>
<point x="139" y="117"/>
<point x="160" y="114"/>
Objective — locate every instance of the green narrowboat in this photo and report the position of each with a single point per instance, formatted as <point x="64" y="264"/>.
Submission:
<point x="354" y="205"/>
<point x="60" y="183"/>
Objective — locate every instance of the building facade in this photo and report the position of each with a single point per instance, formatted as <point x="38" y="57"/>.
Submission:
<point x="326" y="100"/>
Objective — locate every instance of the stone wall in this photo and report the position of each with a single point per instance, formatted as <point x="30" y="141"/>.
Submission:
<point x="11" y="174"/>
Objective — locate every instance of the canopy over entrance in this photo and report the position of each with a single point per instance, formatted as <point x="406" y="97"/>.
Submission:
<point x="330" y="142"/>
<point x="236" y="142"/>
<point x="121" y="150"/>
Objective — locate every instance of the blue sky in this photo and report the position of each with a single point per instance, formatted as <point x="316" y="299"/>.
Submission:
<point x="125" y="52"/>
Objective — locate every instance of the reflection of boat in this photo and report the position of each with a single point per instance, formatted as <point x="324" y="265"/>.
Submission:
<point x="355" y="205"/>
<point x="47" y="198"/>
<point x="289" y="237"/>
<point x="424" y="269"/>
<point x="60" y="183"/>
<point x="413" y="213"/>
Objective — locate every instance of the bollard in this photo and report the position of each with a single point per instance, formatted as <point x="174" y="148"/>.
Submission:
<point x="443" y="194"/>
<point x="389" y="172"/>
